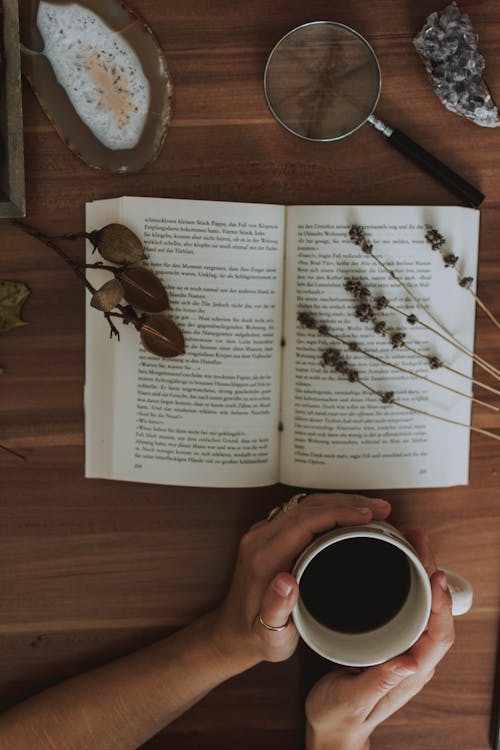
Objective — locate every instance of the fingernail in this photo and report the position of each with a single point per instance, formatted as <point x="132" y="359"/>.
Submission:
<point x="281" y="588"/>
<point x="443" y="581"/>
<point x="364" y="511"/>
<point x="379" y="502"/>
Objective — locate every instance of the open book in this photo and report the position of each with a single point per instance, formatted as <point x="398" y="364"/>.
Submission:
<point x="249" y="403"/>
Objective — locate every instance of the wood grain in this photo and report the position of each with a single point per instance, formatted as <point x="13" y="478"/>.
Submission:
<point x="92" y="569"/>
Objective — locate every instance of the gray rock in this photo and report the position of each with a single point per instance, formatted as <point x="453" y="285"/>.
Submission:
<point x="449" y="50"/>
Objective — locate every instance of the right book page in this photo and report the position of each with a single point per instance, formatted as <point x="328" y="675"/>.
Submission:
<point x="338" y="434"/>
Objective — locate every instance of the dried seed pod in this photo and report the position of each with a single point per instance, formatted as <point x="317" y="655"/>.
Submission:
<point x="143" y="289"/>
<point x="161" y="336"/>
<point x="108" y="296"/>
<point x="117" y="244"/>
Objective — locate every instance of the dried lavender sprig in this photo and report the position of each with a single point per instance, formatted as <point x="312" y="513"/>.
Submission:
<point x="436" y="241"/>
<point x="435" y="363"/>
<point x="335" y="360"/>
<point x="357" y="235"/>
<point x="308" y="321"/>
<point x="414" y="320"/>
<point x="360" y="291"/>
<point x="398" y="342"/>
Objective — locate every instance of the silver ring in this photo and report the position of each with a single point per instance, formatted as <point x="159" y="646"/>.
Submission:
<point x="272" y="627"/>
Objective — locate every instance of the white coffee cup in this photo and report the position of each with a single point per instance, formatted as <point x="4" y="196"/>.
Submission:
<point x="399" y="633"/>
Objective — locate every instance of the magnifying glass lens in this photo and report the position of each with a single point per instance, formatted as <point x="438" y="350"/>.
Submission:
<point x="322" y="81"/>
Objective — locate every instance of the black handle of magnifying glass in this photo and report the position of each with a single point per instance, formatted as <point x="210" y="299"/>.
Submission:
<point x="436" y="168"/>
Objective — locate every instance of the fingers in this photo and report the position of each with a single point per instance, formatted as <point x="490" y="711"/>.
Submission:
<point x="427" y="652"/>
<point x="440" y="634"/>
<point x="370" y="686"/>
<point x="279" y="600"/>
<point x="420" y="541"/>
<point x="294" y="530"/>
<point x="380" y="508"/>
<point x="348" y="698"/>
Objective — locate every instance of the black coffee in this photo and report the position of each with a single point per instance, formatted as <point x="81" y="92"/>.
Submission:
<point x="356" y="585"/>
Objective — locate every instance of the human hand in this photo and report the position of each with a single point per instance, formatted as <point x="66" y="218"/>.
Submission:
<point x="345" y="707"/>
<point x="262" y="584"/>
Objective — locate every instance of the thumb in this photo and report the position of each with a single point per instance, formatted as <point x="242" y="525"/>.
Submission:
<point x="279" y="599"/>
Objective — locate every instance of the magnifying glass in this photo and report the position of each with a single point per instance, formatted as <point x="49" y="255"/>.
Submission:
<point x="322" y="82"/>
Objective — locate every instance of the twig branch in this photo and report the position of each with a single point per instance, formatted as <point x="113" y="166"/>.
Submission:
<point x="48" y="241"/>
<point x="113" y="329"/>
<point x="14" y="453"/>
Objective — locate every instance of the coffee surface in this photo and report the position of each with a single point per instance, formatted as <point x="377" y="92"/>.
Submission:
<point x="356" y="585"/>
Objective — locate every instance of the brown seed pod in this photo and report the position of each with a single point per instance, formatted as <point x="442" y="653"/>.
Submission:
<point x="161" y="336"/>
<point x="143" y="289"/>
<point x="108" y="296"/>
<point x="117" y="244"/>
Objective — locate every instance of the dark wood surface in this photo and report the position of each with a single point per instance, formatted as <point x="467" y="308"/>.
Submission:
<point x="92" y="569"/>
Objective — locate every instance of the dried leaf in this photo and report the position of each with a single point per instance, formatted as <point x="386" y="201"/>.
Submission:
<point x="143" y="289"/>
<point x="161" y="336"/>
<point x="108" y="296"/>
<point x="12" y="297"/>
<point x="117" y="244"/>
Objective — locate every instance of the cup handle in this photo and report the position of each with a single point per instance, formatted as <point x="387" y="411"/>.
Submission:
<point x="461" y="593"/>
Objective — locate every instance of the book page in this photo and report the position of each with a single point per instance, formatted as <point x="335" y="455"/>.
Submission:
<point x="338" y="434"/>
<point x="208" y="417"/>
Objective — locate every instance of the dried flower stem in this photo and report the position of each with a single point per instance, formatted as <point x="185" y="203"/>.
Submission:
<point x="341" y="366"/>
<point x="48" y="241"/>
<point x="485" y="309"/>
<point x="357" y="236"/>
<point x="452" y="342"/>
<point x="449" y="421"/>
<point x="407" y="372"/>
<point x="72" y="236"/>
<point x="126" y="312"/>
<point x="113" y="329"/>
<point x="479" y="383"/>
<point x="103" y="267"/>
<point x="364" y="312"/>
<point x="436" y="241"/>
<point x="428" y="414"/>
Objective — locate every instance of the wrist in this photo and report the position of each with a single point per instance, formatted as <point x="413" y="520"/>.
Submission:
<point x="234" y="653"/>
<point x="325" y="739"/>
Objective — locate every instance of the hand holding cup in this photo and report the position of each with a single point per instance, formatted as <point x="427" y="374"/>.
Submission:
<point x="264" y="591"/>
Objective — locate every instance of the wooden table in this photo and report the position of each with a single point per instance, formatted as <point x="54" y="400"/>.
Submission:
<point x="92" y="569"/>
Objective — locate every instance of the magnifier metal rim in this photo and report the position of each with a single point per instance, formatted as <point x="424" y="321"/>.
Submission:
<point x="345" y="28"/>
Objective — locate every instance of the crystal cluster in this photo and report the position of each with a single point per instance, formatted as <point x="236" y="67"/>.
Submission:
<point x="448" y="47"/>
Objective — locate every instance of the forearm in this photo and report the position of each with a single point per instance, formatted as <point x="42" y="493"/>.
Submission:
<point x="120" y="705"/>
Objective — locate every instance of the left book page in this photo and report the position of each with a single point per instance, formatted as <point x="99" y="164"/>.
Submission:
<point x="208" y="417"/>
